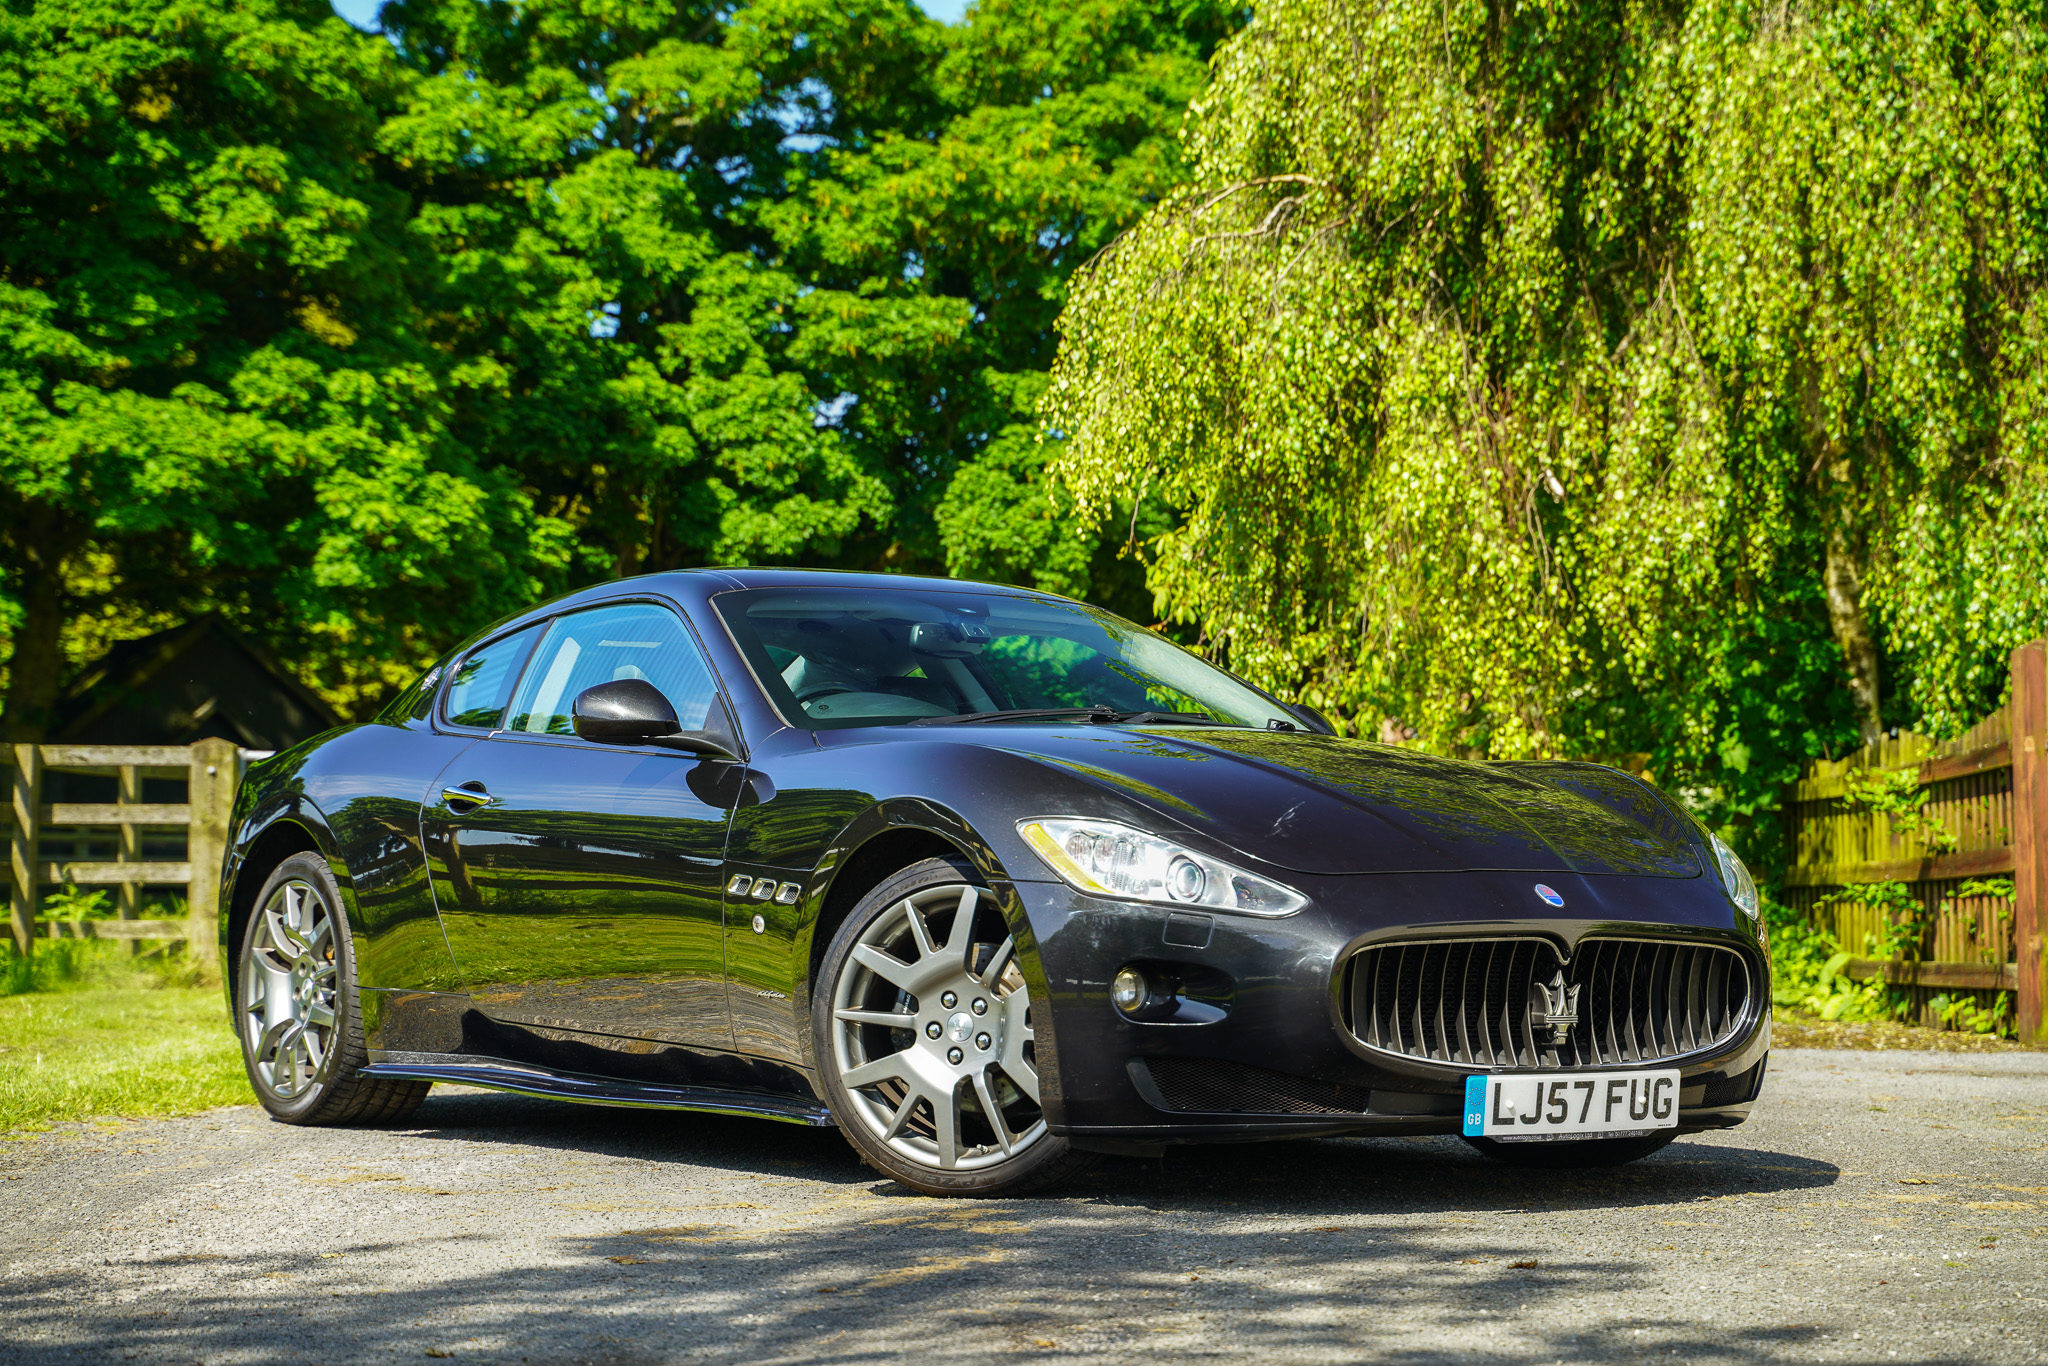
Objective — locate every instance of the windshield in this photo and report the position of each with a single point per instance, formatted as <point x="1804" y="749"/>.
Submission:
<point x="833" y="657"/>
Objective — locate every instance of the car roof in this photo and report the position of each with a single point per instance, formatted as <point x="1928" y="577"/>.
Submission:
<point x="754" y="576"/>
<point x="775" y="576"/>
<point x="698" y="585"/>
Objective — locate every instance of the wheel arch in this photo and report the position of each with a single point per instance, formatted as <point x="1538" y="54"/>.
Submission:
<point x="884" y="854"/>
<point x="888" y="838"/>
<point x="293" y="828"/>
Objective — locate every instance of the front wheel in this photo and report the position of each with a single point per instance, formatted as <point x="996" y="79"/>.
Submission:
<point x="1574" y="1153"/>
<point x="295" y="1007"/>
<point x="923" y="1031"/>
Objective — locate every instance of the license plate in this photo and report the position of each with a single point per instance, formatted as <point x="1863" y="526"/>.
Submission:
<point x="1527" y="1106"/>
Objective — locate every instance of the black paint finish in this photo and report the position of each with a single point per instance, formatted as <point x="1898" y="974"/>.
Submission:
<point x="587" y="893"/>
<point x="596" y="917"/>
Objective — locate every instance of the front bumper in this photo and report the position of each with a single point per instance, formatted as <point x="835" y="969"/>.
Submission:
<point x="1277" y="1059"/>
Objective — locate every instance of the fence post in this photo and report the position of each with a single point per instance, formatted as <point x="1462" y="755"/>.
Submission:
<point x="2030" y="834"/>
<point x="211" y="797"/>
<point x="28" y="818"/>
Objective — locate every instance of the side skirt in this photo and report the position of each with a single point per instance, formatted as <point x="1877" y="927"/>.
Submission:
<point x="496" y="1074"/>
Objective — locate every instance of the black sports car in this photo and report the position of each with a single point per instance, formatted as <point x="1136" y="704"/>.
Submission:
<point x="990" y="879"/>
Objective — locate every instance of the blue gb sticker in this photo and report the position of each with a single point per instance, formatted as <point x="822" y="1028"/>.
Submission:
<point x="1549" y="894"/>
<point x="1475" y="1106"/>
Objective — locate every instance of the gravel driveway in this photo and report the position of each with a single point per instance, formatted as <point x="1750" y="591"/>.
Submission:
<point x="1881" y="1207"/>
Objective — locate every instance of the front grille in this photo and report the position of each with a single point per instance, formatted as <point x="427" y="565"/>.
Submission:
<point x="1504" y="1003"/>
<point x="1218" y="1087"/>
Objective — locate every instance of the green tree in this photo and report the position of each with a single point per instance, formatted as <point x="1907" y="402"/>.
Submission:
<point x="212" y="389"/>
<point x="591" y="176"/>
<point x="941" y="255"/>
<point x="365" y="339"/>
<point x="1595" y="377"/>
<point x="759" y="281"/>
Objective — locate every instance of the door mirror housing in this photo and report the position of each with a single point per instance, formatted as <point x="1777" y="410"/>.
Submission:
<point x="632" y="711"/>
<point x="627" y="711"/>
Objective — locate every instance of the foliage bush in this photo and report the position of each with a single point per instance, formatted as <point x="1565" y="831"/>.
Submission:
<point x="1806" y="971"/>
<point x="94" y="964"/>
<point x="1807" y="962"/>
<point x="72" y="963"/>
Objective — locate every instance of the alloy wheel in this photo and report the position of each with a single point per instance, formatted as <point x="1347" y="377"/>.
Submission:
<point x="932" y="1033"/>
<point x="287" y="998"/>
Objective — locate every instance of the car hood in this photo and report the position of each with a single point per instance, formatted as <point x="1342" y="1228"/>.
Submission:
<point x="1319" y="804"/>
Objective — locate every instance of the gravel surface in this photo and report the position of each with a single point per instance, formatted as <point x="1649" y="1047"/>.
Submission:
<point x="1880" y="1207"/>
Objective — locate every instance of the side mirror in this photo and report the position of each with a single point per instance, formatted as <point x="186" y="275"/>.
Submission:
<point x="632" y="711"/>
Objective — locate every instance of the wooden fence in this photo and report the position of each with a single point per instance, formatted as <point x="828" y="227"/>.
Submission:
<point x="1987" y="793"/>
<point x="128" y="844"/>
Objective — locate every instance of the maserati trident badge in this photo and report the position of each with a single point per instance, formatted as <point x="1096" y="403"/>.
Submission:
<point x="1559" y="1009"/>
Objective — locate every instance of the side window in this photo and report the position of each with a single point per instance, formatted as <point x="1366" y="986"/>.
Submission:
<point x="632" y="640"/>
<point x="476" y="695"/>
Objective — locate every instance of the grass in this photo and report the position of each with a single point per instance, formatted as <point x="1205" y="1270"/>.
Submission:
<point x="114" y="1040"/>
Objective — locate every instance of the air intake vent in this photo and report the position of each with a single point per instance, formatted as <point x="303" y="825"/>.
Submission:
<point x="1506" y="1003"/>
<point x="1219" y="1087"/>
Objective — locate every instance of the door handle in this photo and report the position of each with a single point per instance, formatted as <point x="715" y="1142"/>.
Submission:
<point x="472" y="793"/>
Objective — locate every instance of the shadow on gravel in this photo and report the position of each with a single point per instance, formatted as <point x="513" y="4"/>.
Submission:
<point x="1380" y="1176"/>
<point x="1298" y="1227"/>
<point x="733" y="1142"/>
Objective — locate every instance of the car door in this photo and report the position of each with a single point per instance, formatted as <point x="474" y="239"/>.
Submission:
<point x="579" y="883"/>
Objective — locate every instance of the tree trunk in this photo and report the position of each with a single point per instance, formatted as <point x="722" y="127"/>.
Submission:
<point x="36" y="666"/>
<point x="1852" y="633"/>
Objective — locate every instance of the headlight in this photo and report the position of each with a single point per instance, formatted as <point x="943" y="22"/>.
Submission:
<point x="1741" y="886"/>
<point x="1107" y="859"/>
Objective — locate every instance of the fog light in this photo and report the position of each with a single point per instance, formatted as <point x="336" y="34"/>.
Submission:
<point x="1128" y="992"/>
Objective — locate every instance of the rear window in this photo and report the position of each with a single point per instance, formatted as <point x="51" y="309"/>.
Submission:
<point x="416" y="701"/>
<point x="477" y="693"/>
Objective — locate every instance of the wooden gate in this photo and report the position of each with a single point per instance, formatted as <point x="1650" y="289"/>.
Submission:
<point x="1987" y="797"/>
<point x="107" y="844"/>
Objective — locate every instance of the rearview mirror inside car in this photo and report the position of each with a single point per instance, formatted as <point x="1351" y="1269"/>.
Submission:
<point x="949" y="639"/>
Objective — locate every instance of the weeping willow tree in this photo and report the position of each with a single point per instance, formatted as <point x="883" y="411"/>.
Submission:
<point x="1590" y="375"/>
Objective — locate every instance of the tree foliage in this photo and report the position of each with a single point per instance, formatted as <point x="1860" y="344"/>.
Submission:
<point x="1595" y="377"/>
<point x="213" y="387"/>
<point x="364" y="339"/>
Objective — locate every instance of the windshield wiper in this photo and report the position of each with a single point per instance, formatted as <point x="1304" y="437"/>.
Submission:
<point x="1096" y="715"/>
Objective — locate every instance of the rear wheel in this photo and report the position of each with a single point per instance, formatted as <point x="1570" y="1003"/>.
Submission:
<point x="1570" y="1153"/>
<point x="923" y="1030"/>
<point x="295" y="1007"/>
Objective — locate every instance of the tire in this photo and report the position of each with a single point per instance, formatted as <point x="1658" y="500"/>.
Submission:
<point x="946" y="1102"/>
<point x="1575" y="1153"/>
<point x="296" y="1011"/>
